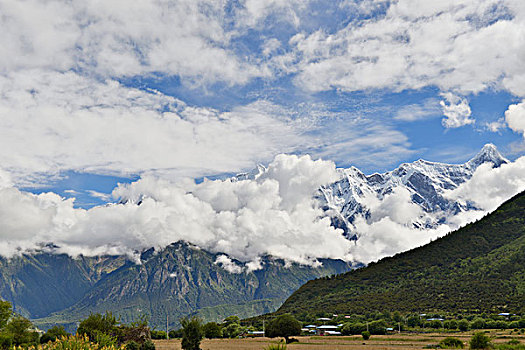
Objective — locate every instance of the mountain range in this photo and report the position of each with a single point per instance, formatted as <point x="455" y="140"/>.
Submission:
<point x="179" y="280"/>
<point x="183" y="279"/>
<point x="426" y="182"/>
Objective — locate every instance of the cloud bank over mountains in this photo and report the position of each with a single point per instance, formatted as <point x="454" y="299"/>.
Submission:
<point x="273" y="213"/>
<point x="76" y="95"/>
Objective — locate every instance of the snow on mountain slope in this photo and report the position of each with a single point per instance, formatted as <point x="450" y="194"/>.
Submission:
<point x="356" y="195"/>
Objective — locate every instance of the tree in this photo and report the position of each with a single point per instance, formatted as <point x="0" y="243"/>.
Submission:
<point x="283" y="326"/>
<point x="5" y="313"/>
<point x="231" y="319"/>
<point x="97" y="325"/>
<point x="232" y="330"/>
<point x="377" y="327"/>
<point x="365" y="335"/>
<point x="20" y="328"/>
<point x="191" y="333"/>
<point x="212" y="330"/>
<point x="463" y="325"/>
<point x="353" y="328"/>
<point x="413" y="321"/>
<point x="479" y="341"/>
<point x="53" y="333"/>
<point x="478" y="323"/>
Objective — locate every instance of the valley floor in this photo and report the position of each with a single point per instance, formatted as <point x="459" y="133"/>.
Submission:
<point x="403" y="341"/>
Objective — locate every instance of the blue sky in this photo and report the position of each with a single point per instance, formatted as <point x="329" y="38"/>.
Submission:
<point x="99" y="95"/>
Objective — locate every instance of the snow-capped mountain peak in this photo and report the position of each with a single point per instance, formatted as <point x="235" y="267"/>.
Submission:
<point x="356" y="195"/>
<point x="489" y="153"/>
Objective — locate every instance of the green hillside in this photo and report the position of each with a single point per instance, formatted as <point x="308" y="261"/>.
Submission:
<point x="478" y="268"/>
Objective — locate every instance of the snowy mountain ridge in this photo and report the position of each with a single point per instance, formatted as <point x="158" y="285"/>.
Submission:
<point x="426" y="182"/>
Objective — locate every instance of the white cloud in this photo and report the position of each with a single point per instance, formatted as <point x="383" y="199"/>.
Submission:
<point x="456" y="110"/>
<point x="53" y="122"/>
<point x="389" y="230"/>
<point x="185" y="38"/>
<point x="427" y="109"/>
<point x="515" y="117"/>
<point x="99" y="195"/>
<point x="228" y="264"/>
<point x="489" y="187"/>
<point x="496" y="126"/>
<point x="62" y="121"/>
<point x="455" y="46"/>
<point x="273" y="214"/>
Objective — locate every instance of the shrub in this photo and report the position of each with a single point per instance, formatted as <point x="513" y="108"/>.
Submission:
<point x="78" y="343"/>
<point x="158" y="335"/>
<point x="451" y="343"/>
<point x="175" y="333"/>
<point x="453" y="324"/>
<point x="53" y="334"/>
<point x="365" y="335"/>
<point x="105" y="340"/>
<point x="479" y="341"/>
<point x="148" y="345"/>
<point x="132" y="345"/>
<point x="491" y="324"/>
<point x="276" y="347"/>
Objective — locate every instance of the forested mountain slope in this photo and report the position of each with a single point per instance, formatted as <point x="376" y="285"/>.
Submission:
<point x="480" y="267"/>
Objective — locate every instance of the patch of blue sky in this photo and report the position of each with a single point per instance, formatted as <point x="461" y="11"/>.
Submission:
<point x="88" y="189"/>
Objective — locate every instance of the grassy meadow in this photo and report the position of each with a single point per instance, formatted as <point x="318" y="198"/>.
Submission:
<point x="403" y="341"/>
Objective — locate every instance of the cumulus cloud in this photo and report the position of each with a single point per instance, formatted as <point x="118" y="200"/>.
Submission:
<point x="388" y="229"/>
<point x="489" y="187"/>
<point x="515" y="117"/>
<point x="228" y="264"/>
<point x="271" y="214"/>
<point x="456" y="110"/>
